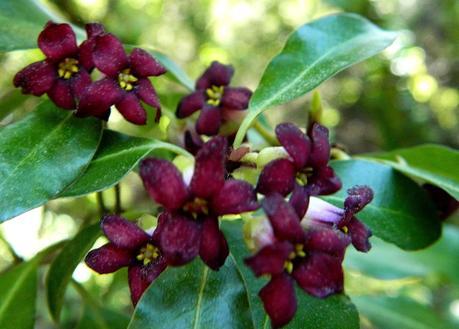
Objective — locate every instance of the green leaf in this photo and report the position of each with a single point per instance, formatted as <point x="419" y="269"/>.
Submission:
<point x="312" y="313"/>
<point x="41" y="155"/>
<point x="385" y="261"/>
<point x="118" y="154"/>
<point x="434" y="164"/>
<point x="399" y="312"/>
<point x="19" y="290"/>
<point x="20" y="23"/>
<point x="314" y="53"/>
<point x="400" y="213"/>
<point x="102" y="318"/>
<point x="61" y="269"/>
<point x="195" y="297"/>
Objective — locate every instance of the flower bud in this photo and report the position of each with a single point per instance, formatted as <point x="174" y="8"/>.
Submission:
<point x="321" y="211"/>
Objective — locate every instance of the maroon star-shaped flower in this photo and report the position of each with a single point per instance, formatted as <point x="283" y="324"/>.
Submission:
<point x="192" y="210"/>
<point x="307" y="165"/>
<point x="132" y="247"/>
<point x="310" y="257"/>
<point x="125" y="84"/>
<point x="215" y="99"/>
<point x="63" y="76"/>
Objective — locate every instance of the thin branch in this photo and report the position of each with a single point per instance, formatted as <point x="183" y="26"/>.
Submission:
<point x="118" y="207"/>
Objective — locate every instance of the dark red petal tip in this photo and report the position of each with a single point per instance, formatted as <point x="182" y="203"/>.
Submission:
<point x="360" y="235"/>
<point x="109" y="55"/>
<point x="94" y="29"/>
<point x="36" y="78"/>
<point x="123" y="233"/>
<point x="140" y="277"/>
<point x="214" y="248"/>
<point x="295" y="142"/>
<point x="108" y="258"/>
<point x="58" y="41"/>
<point x="358" y="198"/>
<point x="145" y="65"/>
<point x="130" y="108"/>
<point x="236" y="98"/>
<point x="279" y="300"/>
<point x="270" y="259"/>
<point x="164" y="183"/>
<point x="209" y="121"/>
<point x="278" y="176"/>
<point x="234" y="197"/>
<point x="190" y="104"/>
<point x="98" y="97"/>
<point x="216" y="74"/>
<point x="320" y="150"/>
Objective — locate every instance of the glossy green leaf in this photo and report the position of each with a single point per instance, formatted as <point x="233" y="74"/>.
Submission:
<point x="434" y="164"/>
<point x="117" y="155"/>
<point x="385" y="261"/>
<point x="400" y="213"/>
<point x="312" y="313"/>
<point x="18" y="296"/>
<point x="41" y="155"/>
<point x="195" y="297"/>
<point x="400" y="313"/>
<point x="61" y="269"/>
<point x="314" y="53"/>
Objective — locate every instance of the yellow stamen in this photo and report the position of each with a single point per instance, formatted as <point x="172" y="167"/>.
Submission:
<point x="67" y="68"/>
<point x="126" y="80"/>
<point x="345" y="229"/>
<point x="215" y="94"/>
<point x="148" y="254"/>
<point x="288" y="266"/>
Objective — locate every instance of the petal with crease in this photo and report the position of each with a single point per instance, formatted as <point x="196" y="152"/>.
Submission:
<point x="295" y="142"/>
<point x="216" y="74"/>
<point x="147" y="93"/>
<point x="57" y="41"/>
<point x="234" y="197"/>
<point x="36" y="78"/>
<point x="130" y="108"/>
<point x="236" y="98"/>
<point x="61" y="94"/>
<point x="140" y="277"/>
<point x="270" y="259"/>
<point x="108" y="258"/>
<point x="209" y="121"/>
<point x="123" y="233"/>
<point x="190" y="104"/>
<point x="109" y="55"/>
<point x="278" y="176"/>
<point x="144" y="65"/>
<point x="213" y="248"/>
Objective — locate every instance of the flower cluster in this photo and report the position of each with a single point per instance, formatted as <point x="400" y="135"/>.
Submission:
<point x="65" y="74"/>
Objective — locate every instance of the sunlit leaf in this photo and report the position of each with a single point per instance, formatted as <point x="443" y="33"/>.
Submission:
<point x="314" y="53"/>
<point x="41" y="155"/>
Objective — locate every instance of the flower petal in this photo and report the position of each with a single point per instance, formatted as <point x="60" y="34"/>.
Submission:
<point x="234" y="197"/>
<point x="216" y="74"/>
<point x="323" y="238"/>
<point x="320" y="147"/>
<point x="214" y="248"/>
<point x="130" y="108"/>
<point x="323" y="181"/>
<point x="109" y="55"/>
<point x="295" y="142"/>
<point x="190" y="104"/>
<point x="278" y="176"/>
<point x="270" y="259"/>
<point x="87" y="46"/>
<point x="180" y="240"/>
<point x="299" y="200"/>
<point x="320" y="275"/>
<point x="147" y="93"/>
<point x="279" y="300"/>
<point x="145" y="65"/>
<point x="79" y="83"/>
<point x="209" y="171"/>
<point x="209" y="121"/>
<point x="94" y="29"/>
<point x="358" y="197"/>
<point x="164" y="183"/>
<point x="236" y="98"/>
<point x="193" y="142"/>
<point x="360" y="235"/>
<point x="123" y="233"/>
<point x="98" y="97"/>
<point x="108" y="258"/>
<point x="283" y="218"/>
<point x="36" y="78"/>
<point x="140" y="277"/>
<point x="61" y="94"/>
<point x="57" y="41"/>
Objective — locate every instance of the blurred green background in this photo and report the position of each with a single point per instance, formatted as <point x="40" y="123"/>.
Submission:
<point x="408" y="95"/>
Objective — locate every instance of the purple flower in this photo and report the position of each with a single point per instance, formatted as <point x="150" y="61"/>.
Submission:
<point x="312" y="258"/>
<point x="132" y="247"/>
<point x="192" y="210"/>
<point x="215" y="99"/>
<point x="307" y="165"/>
<point x="62" y="75"/>
<point x="126" y="82"/>
<point x="320" y="211"/>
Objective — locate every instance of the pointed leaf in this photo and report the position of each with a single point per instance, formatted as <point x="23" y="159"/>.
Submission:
<point x="314" y="53"/>
<point x="41" y="155"/>
<point x="118" y="154"/>
<point x="62" y="267"/>
<point x="400" y="213"/>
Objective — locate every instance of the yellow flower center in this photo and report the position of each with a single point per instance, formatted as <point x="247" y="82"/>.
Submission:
<point x="345" y="229"/>
<point x="297" y="253"/>
<point x="215" y="95"/>
<point x="196" y="207"/>
<point x="148" y="254"/>
<point x="303" y="176"/>
<point x="126" y="80"/>
<point x="67" y="68"/>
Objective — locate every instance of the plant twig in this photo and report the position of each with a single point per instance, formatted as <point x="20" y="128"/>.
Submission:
<point x="101" y="204"/>
<point x="267" y="135"/>
<point x="118" y="207"/>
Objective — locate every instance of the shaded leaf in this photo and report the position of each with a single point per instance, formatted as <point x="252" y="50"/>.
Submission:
<point x="102" y="318"/>
<point x="435" y="164"/>
<point x="314" y="53"/>
<point x="400" y="213"/>
<point x="118" y="154"/>
<point x="41" y="155"/>
<point x="63" y="266"/>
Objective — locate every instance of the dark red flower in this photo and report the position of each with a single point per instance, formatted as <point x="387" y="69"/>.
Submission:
<point x="192" y="210"/>
<point x="310" y="257"/>
<point x="132" y="247"/>
<point x="62" y="75"/>
<point x="215" y="99"/>
<point x="126" y="82"/>
<point x="320" y="211"/>
<point x="307" y="165"/>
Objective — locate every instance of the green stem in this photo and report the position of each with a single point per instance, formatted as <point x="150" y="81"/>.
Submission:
<point x="101" y="204"/>
<point x="265" y="133"/>
<point x="118" y="207"/>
